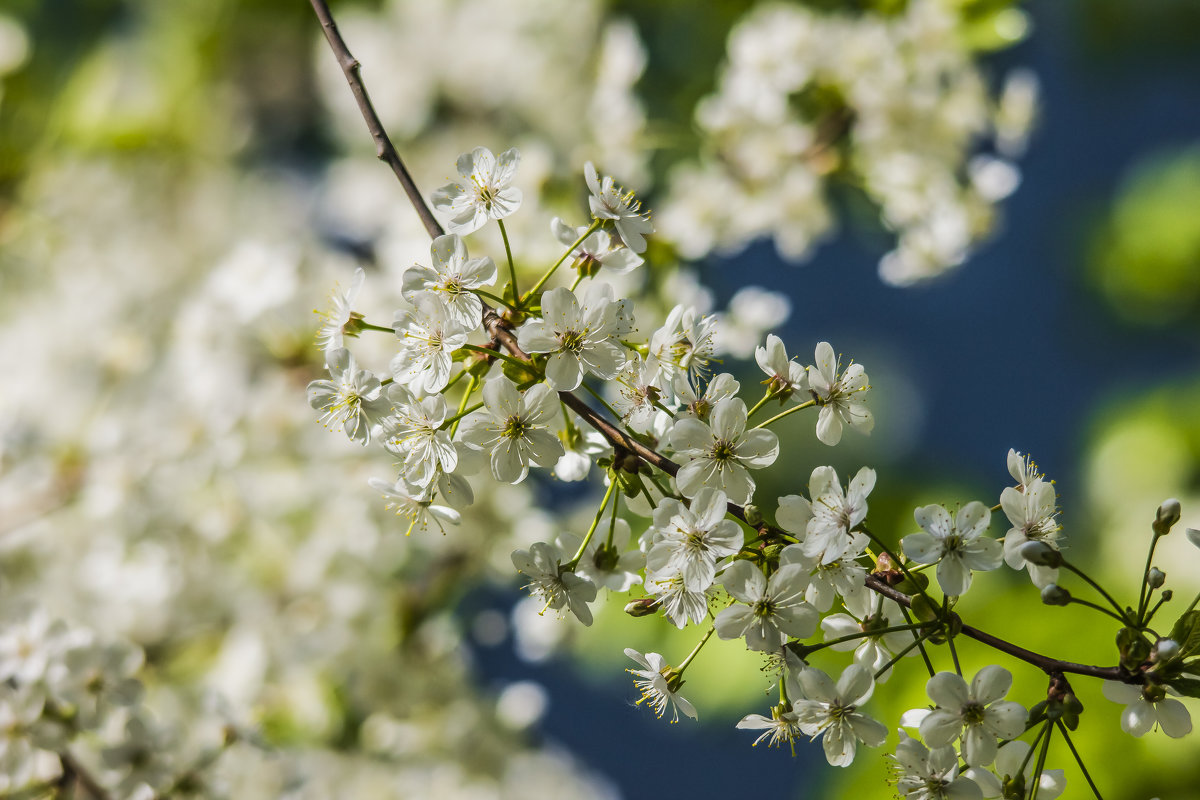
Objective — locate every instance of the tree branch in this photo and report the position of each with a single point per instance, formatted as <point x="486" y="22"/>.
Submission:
<point x="385" y="151"/>
<point x="499" y="331"/>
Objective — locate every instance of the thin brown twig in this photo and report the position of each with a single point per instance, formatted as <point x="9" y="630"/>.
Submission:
<point x="498" y="329"/>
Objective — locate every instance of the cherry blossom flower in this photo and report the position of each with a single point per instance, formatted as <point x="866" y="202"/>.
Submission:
<point x="700" y="405"/>
<point x="684" y="345"/>
<point x="581" y="445"/>
<point x="597" y="250"/>
<point x="484" y="192"/>
<point x="609" y="202"/>
<point x="830" y="532"/>
<point x="557" y="587"/>
<point x="452" y="277"/>
<point x="679" y="603"/>
<point x="513" y="428"/>
<point x="339" y="313"/>
<point x="721" y="453"/>
<point x="693" y="540"/>
<point x="638" y="392"/>
<point x="578" y="338"/>
<point x="831" y="712"/>
<point x="770" y="610"/>
<point x="428" y="335"/>
<point x="785" y="377"/>
<point x="659" y="685"/>
<point x="842" y="578"/>
<point x="1031" y="512"/>
<point x="782" y="726"/>
<point x="1148" y="706"/>
<point x="838" y="396"/>
<point x="931" y="774"/>
<point x="1022" y="468"/>
<point x="977" y="713"/>
<point x="957" y="545"/>
<point x="416" y="504"/>
<point x="350" y="399"/>
<point x="413" y="432"/>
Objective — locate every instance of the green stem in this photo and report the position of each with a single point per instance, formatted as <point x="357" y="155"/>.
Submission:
<point x="1041" y="763"/>
<point x="1101" y="609"/>
<point x="766" y="396"/>
<point x="366" y="326"/>
<point x="1145" y="592"/>
<point x="1032" y="747"/>
<point x="512" y="269"/>
<point x="474" y="348"/>
<point x="494" y="298"/>
<point x="578" y="280"/>
<point x="950" y="637"/>
<point x="782" y="414"/>
<point x="450" y="423"/>
<point x="882" y="670"/>
<point x="1096" y="586"/>
<point x="612" y="523"/>
<point x="595" y="226"/>
<point x="862" y="635"/>
<point x="1150" y="616"/>
<point x="570" y="565"/>
<point x="454" y="380"/>
<point x="1192" y="605"/>
<point x="683" y="664"/>
<point x="462" y="405"/>
<point x="1078" y="760"/>
<point x="920" y="646"/>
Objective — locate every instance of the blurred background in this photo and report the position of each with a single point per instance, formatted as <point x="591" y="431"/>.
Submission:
<point x="995" y="207"/>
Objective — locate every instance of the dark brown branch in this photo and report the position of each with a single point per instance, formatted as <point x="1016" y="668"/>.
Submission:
<point x="1048" y="665"/>
<point x="499" y="332"/>
<point x="385" y="151"/>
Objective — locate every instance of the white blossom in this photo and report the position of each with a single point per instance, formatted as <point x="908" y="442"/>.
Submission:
<point x="784" y="376"/>
<point x="839" y="395"/>
<point x="513" y="428"/>
<point x="679" y="603"/>
<point x="338" y="314"/>
<point x="831" y="712"/>
<point x="579" y="338"/>
<point x="350" y="399"/>
<point x="428" y="336"/>
<point x="830" y="533"/>
<point x="872" y="651"/>
<point x="638" y="392"/>
<point x="557" y="587"/>
<point x="782" y="726"/>
<point x="659" y="685"/>
<point x="931" y="774"/>
<point x="609" y="202"/>
<point x="956" y="545"/>
<point x="416" y="504"/>
<point x="609" y="566"/>
<point x="768" y="610"/>
<point x="720" y="454"/>
<point x="977" y="713"/>
<point x="597" y="250"/>
<point x="452" y="277"/>
<point x="684" y="344"/>
<point x="700" y="405"/>
<point x="483" y="192"/>
<point x="693" y="540"/>
<point x="1031" y="511"/>
<point x="1148" y="706"/>
<point x="413" y="432"/>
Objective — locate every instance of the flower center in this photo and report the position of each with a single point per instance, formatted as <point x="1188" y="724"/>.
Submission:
<point x="571" y="340"/>
<point x="723" y="451"/>
<point x="973" y="713"/>
<point x="515" y="427"/>
<point x="764" y="607"/>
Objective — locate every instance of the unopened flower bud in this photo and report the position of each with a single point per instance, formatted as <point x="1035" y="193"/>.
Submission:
<point x="1167" y="515"/>
<point x="1165" y="650"/>
<point x="642" y="607"/>
<point x="1041" y="554"/>
<point x="754" y="517"/>
<point x="1156" y="577"/>
<point x="1055" y="595"/>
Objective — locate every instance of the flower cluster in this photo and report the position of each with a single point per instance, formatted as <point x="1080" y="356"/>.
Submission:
<point x="679" y="447"/>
